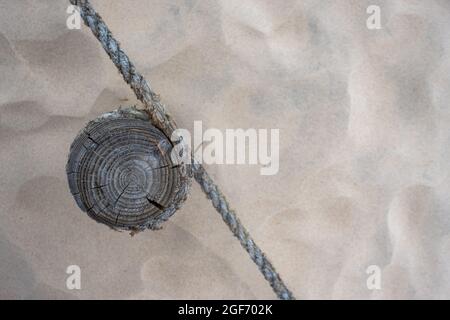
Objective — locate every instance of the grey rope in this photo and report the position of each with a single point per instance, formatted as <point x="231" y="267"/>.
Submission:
<point x="164" y="122"/>
<point x="220" y="203"/>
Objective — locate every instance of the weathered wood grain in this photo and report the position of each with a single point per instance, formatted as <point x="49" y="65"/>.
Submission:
<point x="121" y="174"/>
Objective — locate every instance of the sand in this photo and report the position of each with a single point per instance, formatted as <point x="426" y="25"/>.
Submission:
<point x="364" y="147"/>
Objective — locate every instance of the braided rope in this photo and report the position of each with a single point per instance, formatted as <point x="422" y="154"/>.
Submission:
<point x="222" y="206"/>
<point x="164" y="122"/>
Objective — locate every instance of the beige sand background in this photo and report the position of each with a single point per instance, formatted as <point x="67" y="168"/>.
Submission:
<point x="364" y="124"/>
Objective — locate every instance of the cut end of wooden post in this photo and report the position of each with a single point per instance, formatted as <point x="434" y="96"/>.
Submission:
<point x="119" y="176"/>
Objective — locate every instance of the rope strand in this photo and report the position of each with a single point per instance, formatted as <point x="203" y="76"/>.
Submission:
<point x="165" y="123"/>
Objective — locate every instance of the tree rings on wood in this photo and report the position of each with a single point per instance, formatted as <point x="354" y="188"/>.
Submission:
<point x="121" y="172"/>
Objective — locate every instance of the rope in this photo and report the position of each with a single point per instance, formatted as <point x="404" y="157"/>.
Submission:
<point x="164" y="122"/>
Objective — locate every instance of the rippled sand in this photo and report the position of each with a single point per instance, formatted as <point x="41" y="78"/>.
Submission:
<point x="364" y="124"/>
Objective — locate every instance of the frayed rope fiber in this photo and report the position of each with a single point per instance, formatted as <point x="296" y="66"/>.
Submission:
<point x="165" y="123"/>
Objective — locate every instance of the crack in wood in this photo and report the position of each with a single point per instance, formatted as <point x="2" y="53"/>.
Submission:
<point x="156" y="204"/>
